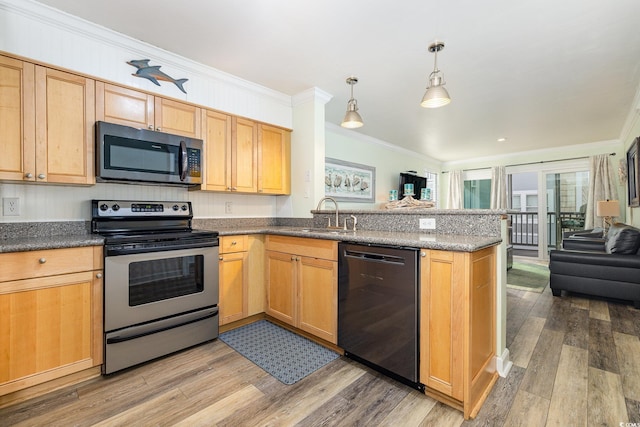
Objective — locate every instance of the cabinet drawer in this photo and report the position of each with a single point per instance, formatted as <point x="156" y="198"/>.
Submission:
<point x="230" y="244"/>
<point x="23" y="265"/>
<point x="314" y="248"/>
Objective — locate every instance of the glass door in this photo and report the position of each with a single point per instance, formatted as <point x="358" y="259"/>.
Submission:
<point x="566" y="200"/>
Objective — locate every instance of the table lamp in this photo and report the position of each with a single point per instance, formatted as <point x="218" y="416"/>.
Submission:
<point x="607" y="209"/>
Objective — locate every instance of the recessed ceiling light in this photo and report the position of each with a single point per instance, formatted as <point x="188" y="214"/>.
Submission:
<point x="502" y="139"/>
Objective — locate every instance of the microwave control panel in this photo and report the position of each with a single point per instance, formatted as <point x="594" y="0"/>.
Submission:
<point x="193" y="158"/>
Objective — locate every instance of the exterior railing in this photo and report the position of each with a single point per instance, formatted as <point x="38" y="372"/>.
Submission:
<point x="524" y="227"/>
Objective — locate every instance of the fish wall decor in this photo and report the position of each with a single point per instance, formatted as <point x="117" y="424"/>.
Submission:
<point x="153" y="73"/>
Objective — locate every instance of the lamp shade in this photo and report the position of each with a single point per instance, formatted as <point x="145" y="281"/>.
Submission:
<point x="608" y="208"/>
<point x="352" y="120"/>
<point x="435" y="96"/>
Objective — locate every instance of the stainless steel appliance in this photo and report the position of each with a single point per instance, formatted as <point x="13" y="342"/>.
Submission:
<point x="126" y="154"/>
<point x="160" y="280"/>
<point x="378" y="308"/>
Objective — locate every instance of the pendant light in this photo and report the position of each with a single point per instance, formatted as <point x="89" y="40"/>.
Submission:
<point x="352" y="119"/>
<point x="436" y="95"/>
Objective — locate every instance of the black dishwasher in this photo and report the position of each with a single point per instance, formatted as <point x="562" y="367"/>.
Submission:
<point x="378" y="308"/>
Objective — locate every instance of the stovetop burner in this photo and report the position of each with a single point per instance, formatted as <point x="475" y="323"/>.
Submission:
<point x="127" y="221"/>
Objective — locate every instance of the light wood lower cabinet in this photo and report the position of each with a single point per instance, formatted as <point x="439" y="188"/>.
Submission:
<point x="302" y="284"/>
<point x="50" y="315"/>
<point x="458" y="324"/>
<point x="241" y="274"/>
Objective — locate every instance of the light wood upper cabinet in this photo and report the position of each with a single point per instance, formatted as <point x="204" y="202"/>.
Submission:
<point x="457" y="326"/>
<point x="216" y="129"/>
<point x="274" y="160"/>
<point x="302" y="284"/>
<point x="50" y="315"/>
<point x="17" y="118"/>
<point x="129" y="107"/>
<point x="244" y="155"/>
<point x="65" y="116"/>
<point x="46" y="125"/>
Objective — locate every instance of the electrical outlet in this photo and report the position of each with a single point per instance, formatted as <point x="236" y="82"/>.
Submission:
<point x="228" y="207"/>
<point x="10" y="206"/>
<point x="427" y="223"/>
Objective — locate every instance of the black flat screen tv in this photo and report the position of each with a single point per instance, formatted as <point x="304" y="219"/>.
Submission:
<point x="418" y="182"/>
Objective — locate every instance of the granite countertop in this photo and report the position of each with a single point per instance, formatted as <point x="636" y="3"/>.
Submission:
<point x="21" y="244"/>
<point x="450" y="242"/>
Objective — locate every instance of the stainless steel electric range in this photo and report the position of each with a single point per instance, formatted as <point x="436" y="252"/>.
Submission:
<point x="160" y="280"/>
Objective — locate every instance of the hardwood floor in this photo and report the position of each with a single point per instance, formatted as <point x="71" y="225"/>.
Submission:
<point x="576" y="362"/>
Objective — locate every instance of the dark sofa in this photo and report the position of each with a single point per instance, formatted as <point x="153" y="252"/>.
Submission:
<point x="606" y="267"/>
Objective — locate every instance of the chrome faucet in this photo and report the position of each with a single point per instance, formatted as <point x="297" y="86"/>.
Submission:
<point x="335" y="203"/>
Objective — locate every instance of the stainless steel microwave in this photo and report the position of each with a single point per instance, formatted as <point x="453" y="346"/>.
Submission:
<point x="127" y="154"/>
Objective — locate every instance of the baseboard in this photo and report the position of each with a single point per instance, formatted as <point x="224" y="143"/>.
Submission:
<point x="503" y="364"/>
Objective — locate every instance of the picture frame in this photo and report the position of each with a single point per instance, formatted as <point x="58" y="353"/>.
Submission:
<point x="633" y="177"/>
<point x="348" y="181"/>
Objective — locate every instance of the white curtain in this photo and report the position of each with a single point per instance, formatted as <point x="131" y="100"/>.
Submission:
<point x="498" y="187"/>
<point x="455" y="190"/>
<point x="601" y="187"/>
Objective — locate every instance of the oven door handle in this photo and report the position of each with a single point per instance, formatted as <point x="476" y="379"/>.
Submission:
<point x="183" y="161"/>
<point x="139" y="331"/>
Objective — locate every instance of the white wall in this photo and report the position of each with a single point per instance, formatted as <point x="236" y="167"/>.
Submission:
<point x="389" y="161"/>
<point x="42" y="34"/>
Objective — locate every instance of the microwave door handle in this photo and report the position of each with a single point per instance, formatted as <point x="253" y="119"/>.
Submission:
<point x="183" y="161"/>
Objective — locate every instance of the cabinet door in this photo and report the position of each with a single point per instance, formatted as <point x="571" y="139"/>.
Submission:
<point x="281" y="291"/>
<point x="318" y="297"/>
<point x="65" y="116"/>
<point x="441" y="321"/>
<point x="17" y="120"/>
<point x="217" y="151"/>
<point x="49" y="327"/>
<point x="244" y="155"/>
<point x="233" y="287"/>
<point x="177" y="118"/>
<point x="274" y="152"/>
<point x="128" y="107"/>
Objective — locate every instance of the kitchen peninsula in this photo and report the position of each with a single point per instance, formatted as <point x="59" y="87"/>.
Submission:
<point x="457" y="280"/>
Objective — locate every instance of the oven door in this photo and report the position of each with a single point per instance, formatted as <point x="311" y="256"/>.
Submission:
<point x="143" y="287"/>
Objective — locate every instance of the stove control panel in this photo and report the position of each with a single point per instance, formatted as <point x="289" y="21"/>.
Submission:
<point x="120" y="208"/>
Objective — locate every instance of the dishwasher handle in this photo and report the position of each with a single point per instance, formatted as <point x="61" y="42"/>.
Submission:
<point x="374" y="257"/>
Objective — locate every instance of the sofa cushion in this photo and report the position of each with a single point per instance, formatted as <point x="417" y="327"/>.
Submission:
<point x="622" y="239"/>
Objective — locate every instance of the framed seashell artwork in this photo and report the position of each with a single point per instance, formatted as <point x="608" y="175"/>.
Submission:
<point x="347" y="181"/>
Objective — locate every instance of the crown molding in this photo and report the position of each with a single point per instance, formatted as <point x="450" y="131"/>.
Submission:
<point x="309" y="95"/>
<point x="332" y="127"/>
<point x="545" y="153"/>
<point x="49" y="16"/>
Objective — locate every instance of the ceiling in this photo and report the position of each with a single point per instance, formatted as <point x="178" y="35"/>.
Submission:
<point x="541" y="73"/>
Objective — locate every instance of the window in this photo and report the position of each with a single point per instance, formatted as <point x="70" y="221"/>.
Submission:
<point x="477" y="194"/>
<point x="432" y="184"/>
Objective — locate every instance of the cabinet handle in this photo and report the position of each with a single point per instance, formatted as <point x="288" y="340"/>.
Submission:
<point x="234" y="243"/>
<point x="150" y="127"/>
<point x="29" y="175"/>
<point x="220" y="258"/>
<point x="423" y="254"/>
<point x="42" y="260"/>
<point x="293" y="258"/>
<point x="99" y="275"/>
<point x="41" y="176"/>
<point x="228" y="188"/>
<point x="234" y="189"/>
<point x="158" y="129"/>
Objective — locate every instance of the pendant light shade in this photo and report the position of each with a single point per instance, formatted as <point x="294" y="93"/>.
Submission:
<point x="436" y="95"/>
<point x="352" y="119"/>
